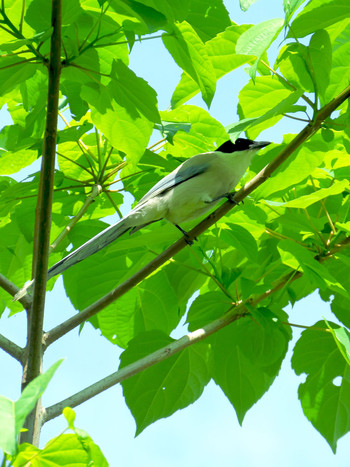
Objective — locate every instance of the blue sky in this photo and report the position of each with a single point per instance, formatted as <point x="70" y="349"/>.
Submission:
<point x="275" y="431"/>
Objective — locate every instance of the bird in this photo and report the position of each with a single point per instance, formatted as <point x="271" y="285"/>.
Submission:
<point x="188" y="192"/>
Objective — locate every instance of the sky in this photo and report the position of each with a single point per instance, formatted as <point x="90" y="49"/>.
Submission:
<point x="275" y="432"/>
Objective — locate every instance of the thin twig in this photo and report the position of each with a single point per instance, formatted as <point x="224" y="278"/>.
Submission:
<point x="11" y="348"/>
<point x="97" y="189"/>
<point x="12" y="289"/>
<point x="233" y="313"/>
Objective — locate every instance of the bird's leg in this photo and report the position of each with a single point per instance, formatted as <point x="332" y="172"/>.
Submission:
<point x="185" y="234"/>
<point x="229" y="196"/>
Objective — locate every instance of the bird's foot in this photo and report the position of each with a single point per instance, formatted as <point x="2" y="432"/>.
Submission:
<point x="230" y="197"/>
<point x="188" y="240"/>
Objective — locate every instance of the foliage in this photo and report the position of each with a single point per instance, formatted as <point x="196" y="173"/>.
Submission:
<point x="288" y="239"/>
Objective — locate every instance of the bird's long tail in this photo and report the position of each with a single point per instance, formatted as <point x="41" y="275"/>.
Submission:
<point x="92" y="246"/>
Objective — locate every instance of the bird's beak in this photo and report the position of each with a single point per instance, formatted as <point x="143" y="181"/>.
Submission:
<point x="259" y="144"/>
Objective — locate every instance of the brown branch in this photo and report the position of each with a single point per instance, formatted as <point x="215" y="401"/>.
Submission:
<point x="34" y="349"/>
<point x="260" y="178"/>
<point x="11" y="348"/>
<point x="234" y="313"/>
<point x="12" y="289"/>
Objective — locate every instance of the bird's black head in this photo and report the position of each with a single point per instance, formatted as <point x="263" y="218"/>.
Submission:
<point x="241" y="144"/>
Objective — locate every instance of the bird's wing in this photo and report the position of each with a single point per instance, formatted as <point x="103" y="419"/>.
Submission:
<point x="180" y="175"/>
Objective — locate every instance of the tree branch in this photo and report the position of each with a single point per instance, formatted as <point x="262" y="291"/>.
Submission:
<point x="12" y="289"/>
<point x="11" y="348"/>
<point x="43" y="224"/>
<point x="260" y="178"/>
<point x="234" y="313"/>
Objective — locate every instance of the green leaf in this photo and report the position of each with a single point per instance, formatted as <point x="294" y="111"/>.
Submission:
<point x="342" y="339"/>
<point x="124" y="132"/>
<point x="290" y="6"/>
<point x="171" y="385"/>
<point x="151" y="305"/>
<point x="245" y="4"/>
<point x="256" y="40"/>
<point x="205" y="131"/>
<point x="69" y="415"/>
<point x="14" y="414"/>
<point x="298" y="167"/>
<point x="308" y="200"/>
<point x="64" y="450"/>
<point x="316" y="272"/>
<point x="190" y="54"/>
<point x="266" y="98"/>
<point x="268" y="118"/>
<point x="14" y="70"/>
<point x="169" y="129"/>
<point x="292" y="64"/>
<point x="320" y="52"/>
<point x="14" y="45"/>
<point x="340" y="72"/>
<point x="247" y="357"/>
<point x="138" y="18"/>
<point x="133" y="93"/>
<point x="208" y="18"/>
<point x="325" y="402"/>
<point x="74" y="133"/>
<point x="38" y="14"/>
<point x="241" y="239"/>
<point x="174" y="11"/>
<point x="319" y="14"/>
<point x="221" y="52"/>
<point x="206" y="308"/>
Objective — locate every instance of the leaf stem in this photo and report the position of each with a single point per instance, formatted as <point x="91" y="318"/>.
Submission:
<point x="96" y="190"/>
<point x="11" y="348"/>
<point x="282" y="78"/>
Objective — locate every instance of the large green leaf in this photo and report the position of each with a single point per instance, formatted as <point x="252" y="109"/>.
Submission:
<point x="171" y="385"/>
<point x="38" y="14"/>
<point x="220" y="49"/>
<point x="325" y="401"/>
<point x="126" y="133"/>
<point x="205" y="131"/>
<point x="174" y="11"/>
<point x="290" y="6"/>
<point x="293" y="64"/>
<point x="296" y="256"/>
<point x="208" y="18"/>
<point x="319" y="14"/>
<point x="298" y="167"/>
<point x="256" y="40"/>
<point x="206" y="308"/>
<point x="340" y="71"/>
<point x="14" y="70"/>
<point x="152" y="305"/>
<point x="247" y="358"/>
<point x="320" y="53"/>
<point x="265" y="98"/>
<point x="133" y="93"/>
<point x="67" y="450"/>
<point x="138" y="18"/>
<point x="190" y="54"/>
